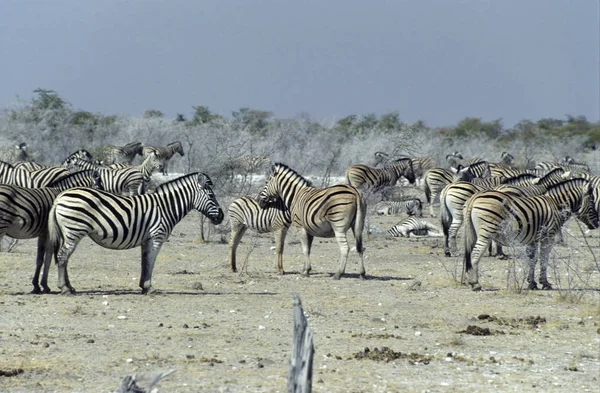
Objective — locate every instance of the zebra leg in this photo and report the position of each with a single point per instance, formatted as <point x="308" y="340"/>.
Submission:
<point x="150" y="250"/>
<point x="237" y="232"/>
<point x="39" y="262"/>
<point x="475" y="255"/>
<point x="342" y="240"/>
<point x="12" y="244"/>
<point x="279" y="245"/>
<point x="62" y="259"/>
<point x="306" y="239"/>
<point x="531" y="251"/>
<point x="546" y="247"/>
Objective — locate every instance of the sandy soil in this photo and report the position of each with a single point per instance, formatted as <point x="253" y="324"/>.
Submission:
<point x="408" y="328"/>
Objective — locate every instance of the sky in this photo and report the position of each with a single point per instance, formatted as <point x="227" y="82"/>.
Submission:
<point x="433" y="60"/>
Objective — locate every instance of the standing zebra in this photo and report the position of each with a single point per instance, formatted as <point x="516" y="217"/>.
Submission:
<point x="527" y="220"/>
<point x="321" y="212"/>
<point x="420" y="166"/>
<point x="132" y="180"/>
<point x="437" y="178"/>
<point x="410" y="206"/>
<point x="246" y="165"/>
<point x="121" y="223"/>
<point x="123" y="154"/>
<point x="245" y="213"/>
<point x="365" y="178"/>
<point x="25" y="178"/>
<point x="24" y="213"/>
<point x="164" y="153"/>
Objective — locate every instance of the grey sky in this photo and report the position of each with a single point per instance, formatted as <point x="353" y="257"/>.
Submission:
<point x="434" y="60"/>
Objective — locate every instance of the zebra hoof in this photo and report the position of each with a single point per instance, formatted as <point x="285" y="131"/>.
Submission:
<point x="363" y="276"/>
<point x="546" y="286"/>
<point x="447" y="254"/>
<point x="337" y="276"/>
<point x="67" y="292"/>
<point x="36" y="291"/>
<point x="476" y="287"/>
<point x="533" y="286"/>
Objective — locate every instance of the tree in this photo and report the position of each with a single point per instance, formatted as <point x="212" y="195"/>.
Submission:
<point x="153" y="113"/>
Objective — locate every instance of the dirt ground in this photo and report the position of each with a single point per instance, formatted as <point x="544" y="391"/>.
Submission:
<point x="409" y="327"/>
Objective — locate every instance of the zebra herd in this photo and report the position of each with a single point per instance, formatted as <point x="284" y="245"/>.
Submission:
<point x="60" y="205"/>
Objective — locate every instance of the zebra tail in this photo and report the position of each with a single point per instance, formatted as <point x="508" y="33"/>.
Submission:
<point x="470" y="235"/>
<point x="427" y="191"/>
<point x="359" y="222"/>
<point x="445" y="215"/>
<point x="54" y="240"/>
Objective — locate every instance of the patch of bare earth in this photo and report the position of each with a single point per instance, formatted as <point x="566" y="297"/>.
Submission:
<point x="410" y="327"/>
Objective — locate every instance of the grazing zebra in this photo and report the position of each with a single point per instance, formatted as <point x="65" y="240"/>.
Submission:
<point x="246" y="165"/>
<point x="25" y="178"/>
<point x="24" y="213"/>
<point x="526" y="220"/>
<point x="410" y="206"/>
<point x="420" y="166"/>
<point x="454" y="159"/>
<point x="366" y="178"/>
<point x="132" y="180"/>
<point x="454" y="196"/>
<point x="123" y="154"/>
<point x="380" y="159"/>
<point x="576" y="166"/>
<point x="546" y="166"/>
<point x="415" y="226"/>
<point x="321" y="212"/>
<point x="120" y="222"/>
<point x="245" y="213"/>
<point x="164" y="153"/>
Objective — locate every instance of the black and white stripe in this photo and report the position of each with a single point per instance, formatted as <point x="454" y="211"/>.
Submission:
<point x="410" y="206"/>
<point x="415" y="226"/>
<point x="494" y="215"/>
<point x="123" y="154"/>
<point x="25" y="178"/>
<point x="366" y="178"/>
<point x="320" y="212"/>
<point x="245" y="213"/>
<point x="120" y="223"/>
<point x="164" y="153"/>
<point x="24" y="213"/>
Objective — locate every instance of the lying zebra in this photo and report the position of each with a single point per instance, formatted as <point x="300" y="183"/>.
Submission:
<point x="408" y="226"/>
<point x="410" y="206"/>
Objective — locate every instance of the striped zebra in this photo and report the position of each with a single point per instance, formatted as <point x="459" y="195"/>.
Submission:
<point x="410" y="206"/>
<point x="246" y="165"/>
<point x="25" y="178"/>
<point x="454" y="196"/>
<point x="245" y="213"/>
<point x="526" y="220"/>
<point x="321" y="212"/>
<point x="576" y="166"/>
<point x="124" y="222"/>
<point x="420" y="166"/>
<point x="132" y="180"/>
<point x="123" y="154"/>
<point x="546" y="166"/>
<point x="415" y="226"/>
<point x="437" y="178"/>
<point x="366" y="178"/>
<point x="24" y="213"/>
<point x="380" y="158"/>
<point x="164" y="153"/>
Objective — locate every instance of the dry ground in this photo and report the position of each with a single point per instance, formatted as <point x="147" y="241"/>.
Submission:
<point x="231" y="332"/>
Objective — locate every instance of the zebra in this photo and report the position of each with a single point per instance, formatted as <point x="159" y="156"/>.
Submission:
<point x="123" y="154"/>
<point x="245" y="213"/>
<point x="437" y="178"/>
<point x="246" y="165"/>
<point x="415" y="226"/>
<point x="380" y="159"/>
<point x="124" y="222"/>
<point x="410" y="206"/>
<point x="321" y="212"/>
<point x="24" y="213"/>
<point x="546" y="166"/>
<point x="30" y="166"/>
<point x="133" y="180"/>
<point x="454" y="196"/>
<point x="420" y="166"/>
<point x="164" y="153"/>
<point x="527" y="220"/>
<point x="368" y="179"/>
<point x="25" y="178"/>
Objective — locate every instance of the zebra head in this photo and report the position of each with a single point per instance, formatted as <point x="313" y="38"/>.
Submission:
<point x="155" y="164"/>
<point x="205" y="201"/>
<point x="282" y="181"/>
<point x="97" y="181"/>
<point x="177" y="148"/>
<point x="588" y="210"/>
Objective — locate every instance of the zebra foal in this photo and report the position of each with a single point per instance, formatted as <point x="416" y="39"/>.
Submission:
<point x="245" y="213"/>
<point x="494" y="215"/>
<point x="320" y="212"/>
<point x="120" y="222"/>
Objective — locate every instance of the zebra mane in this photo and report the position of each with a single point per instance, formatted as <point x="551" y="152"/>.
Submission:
<point x="553" y="175"/>
<point x="7" y="164"/>
<point x="567" y="183"/>
<point x="520" y="177"/>
<point x="280" y="167"/>
<point x="205" y="181"/>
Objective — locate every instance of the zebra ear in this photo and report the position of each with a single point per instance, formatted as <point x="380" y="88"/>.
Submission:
<point x="204" y="180"/>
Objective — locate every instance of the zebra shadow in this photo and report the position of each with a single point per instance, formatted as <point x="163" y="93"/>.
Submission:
<point x="157" y="292"/>
<point x="368" y="277"/>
